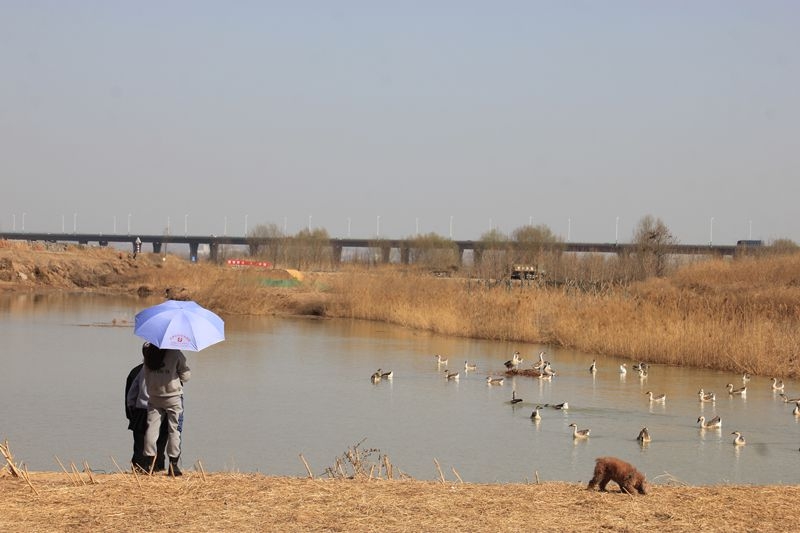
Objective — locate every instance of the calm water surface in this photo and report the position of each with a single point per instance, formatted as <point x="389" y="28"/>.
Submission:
<point x="277" y="388"/>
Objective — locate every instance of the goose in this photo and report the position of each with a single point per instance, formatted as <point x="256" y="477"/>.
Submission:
<point x="494" y="381"/>
<point x="796" y="410"/>
<point x="659" y="398"/>
<point x="547" y="370"/>
<point x="742" y="391"/>
<point x="786" y="399"/>
<point x="564" y="406"/>
<point x="469" y="367"/>
<point x="439" y="360"/>
<point x="777" y="385"/>
<point x="376" y="377"/>
<point x="386" y="375"/>
<point x="579" y="433"/>
<point x="644" y="436"/>
<point x="642" y="373"/>
<point x="714" y="423"/>
<point x="745" y="378"/>
<point x="623" y="369"/>
<point x="514" y="398"/>
<point x="641" y="367"/>
<point x="535" y="415"/>
<point x="593" y="366"/>
<point x="738" y="440"/>
<point x="706" y="396"/>
<point x="514" y="362"/>
<point x="451" y="376"/>
<point x="540" y="364"/>
<point x="545" y="377"/>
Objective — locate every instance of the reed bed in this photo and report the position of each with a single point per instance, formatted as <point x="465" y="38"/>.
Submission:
<point x="739" y="315"/>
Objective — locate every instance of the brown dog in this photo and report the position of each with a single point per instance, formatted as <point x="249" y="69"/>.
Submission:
<point x="623" y="474"/>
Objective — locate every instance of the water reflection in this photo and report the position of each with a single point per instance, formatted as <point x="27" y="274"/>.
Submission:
<point x="280" y="387"/>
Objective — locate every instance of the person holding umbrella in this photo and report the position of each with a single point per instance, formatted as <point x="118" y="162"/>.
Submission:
<point x="170" y="327"/>
<point x="165" y="372"/>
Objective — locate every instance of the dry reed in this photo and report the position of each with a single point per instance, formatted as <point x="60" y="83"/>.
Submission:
<point x="254" y="502"/>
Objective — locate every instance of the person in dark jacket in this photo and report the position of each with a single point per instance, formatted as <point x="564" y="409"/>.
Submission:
<point x="136" y="412"/>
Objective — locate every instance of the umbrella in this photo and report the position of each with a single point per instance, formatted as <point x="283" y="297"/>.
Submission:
<point x="179" y="325"/>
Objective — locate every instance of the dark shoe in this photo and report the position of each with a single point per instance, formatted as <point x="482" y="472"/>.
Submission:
<point x="173" y="467"/>
<point x="146" y="463"/>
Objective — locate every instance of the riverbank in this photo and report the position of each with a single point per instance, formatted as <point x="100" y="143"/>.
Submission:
<point x="738" y="315"/>
<point x="254" y="502"/>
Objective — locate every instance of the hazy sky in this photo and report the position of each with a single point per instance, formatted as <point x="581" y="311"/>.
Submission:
<point x="394" y="117"/>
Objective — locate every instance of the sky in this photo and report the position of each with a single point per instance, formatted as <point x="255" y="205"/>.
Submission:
<point x="390" y="119"/>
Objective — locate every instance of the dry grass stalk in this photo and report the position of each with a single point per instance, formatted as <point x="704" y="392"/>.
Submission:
<point x="116" y="464"/>
<point x="27" y="478"/>
<point x="456" y="473"/>
<point x="75" y="471"/>
<point x="136" y="475"/>
<point x="9" y="457"/>
<point x="88" y="472"/>
<point x="202" y="471"/>
<point x="439" y="469"/>
<point x="308" y="469"/>
<point x="75" y="482"/>
<point x="388" y="466"/>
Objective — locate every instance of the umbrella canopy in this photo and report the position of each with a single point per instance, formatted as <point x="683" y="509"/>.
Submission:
<point x="179" y="325"/>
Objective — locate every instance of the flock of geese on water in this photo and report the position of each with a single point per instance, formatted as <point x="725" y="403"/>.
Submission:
<point x="543" y="370"/>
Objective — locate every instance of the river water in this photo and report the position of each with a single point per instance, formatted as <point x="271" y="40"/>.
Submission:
<point x="280" y="387"/>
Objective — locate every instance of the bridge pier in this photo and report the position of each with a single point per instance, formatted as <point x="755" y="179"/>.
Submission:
<point x="213" y="251"/>
<point x="336" y="253"/>
<point x="386" y="252"/>
<point x="405" y="254"/>
<point x="193" y="246"/>
<point x="156" y="247"/>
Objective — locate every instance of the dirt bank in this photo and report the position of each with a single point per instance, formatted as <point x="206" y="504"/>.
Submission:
<point x="254" y="502"/>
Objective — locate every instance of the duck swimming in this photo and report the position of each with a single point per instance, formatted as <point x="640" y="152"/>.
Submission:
<point x="644" y="436"/>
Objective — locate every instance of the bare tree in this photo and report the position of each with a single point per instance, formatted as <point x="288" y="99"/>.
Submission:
<point x="494" y="256"/>
<point x="267" y="241"/>
<point x="652" y="239"/>
<point x="433" y="251"/>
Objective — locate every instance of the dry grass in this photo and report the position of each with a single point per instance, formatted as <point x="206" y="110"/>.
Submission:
<point x="740" y="316"/>
<point x="254" y="502"/>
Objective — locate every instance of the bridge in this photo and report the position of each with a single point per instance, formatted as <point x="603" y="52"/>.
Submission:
<point x="337" y="245"/>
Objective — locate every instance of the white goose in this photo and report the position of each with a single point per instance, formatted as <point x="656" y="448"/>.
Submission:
<point x="593" y="367"/>
<point x="741" y="391"/>
<point x="439" y="360"/>
<point x="469" y="367"/>
<point x="514" y="362"/>
<point x="738" y="440"/>
<point x="661" y="398"/>
<point x="714" y="423"/>
<point x="623" y="369"/>
<point x="579" y="433"/>
<point x="494" y="381"/>
<point x="706" y="396"/>
<point x="451" y="376"/>
<point x="777" y="385"/>
<point x="536" y="415"/>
